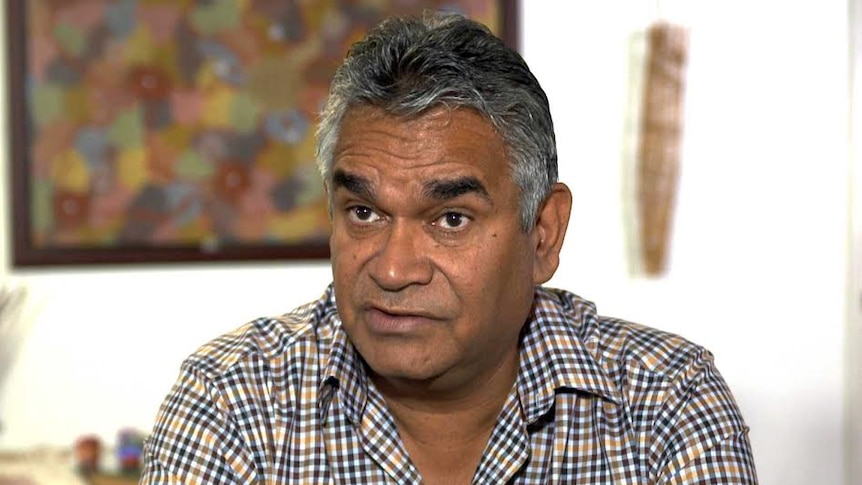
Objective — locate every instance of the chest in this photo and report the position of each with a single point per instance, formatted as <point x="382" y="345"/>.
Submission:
<point x="581" y="440"/>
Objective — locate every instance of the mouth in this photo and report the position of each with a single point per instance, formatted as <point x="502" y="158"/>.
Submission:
<point x="394" y="321"/>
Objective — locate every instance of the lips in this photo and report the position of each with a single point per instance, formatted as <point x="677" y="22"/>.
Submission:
<point x="386" y="321"/>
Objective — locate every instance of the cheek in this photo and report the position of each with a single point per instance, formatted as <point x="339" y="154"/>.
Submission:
<point x="490" y="273"/>
<point x="349" y="259"/>
<point x="343" y="248"/>
<point x="504" y="275"/>
<point x="343" y="262"/>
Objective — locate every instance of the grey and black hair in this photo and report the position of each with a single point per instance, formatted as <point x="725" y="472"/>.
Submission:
<point x="409" y="65"/>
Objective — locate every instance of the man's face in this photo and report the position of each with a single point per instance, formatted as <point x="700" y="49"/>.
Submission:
<point x="434" y="276"/>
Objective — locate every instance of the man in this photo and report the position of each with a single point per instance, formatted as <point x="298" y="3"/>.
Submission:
<point x="436" y="356"/>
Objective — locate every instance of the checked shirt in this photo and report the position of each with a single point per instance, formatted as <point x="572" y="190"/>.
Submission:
<point x="597" y="401"/>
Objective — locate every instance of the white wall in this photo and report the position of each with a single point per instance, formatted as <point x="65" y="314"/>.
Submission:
<point x="854" y="270"/>
<point x="759" y="248"/>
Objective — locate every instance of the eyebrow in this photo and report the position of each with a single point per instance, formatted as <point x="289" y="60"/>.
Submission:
<point x="450" y="189"/>
<point x="353" y="183"/>
<point x="439" y="190"/>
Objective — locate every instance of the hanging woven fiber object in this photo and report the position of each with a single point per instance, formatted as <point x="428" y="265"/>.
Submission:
<point x="658" y="156"/>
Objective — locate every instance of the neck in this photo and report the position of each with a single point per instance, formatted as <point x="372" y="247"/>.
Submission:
<point x="458" y="411"/>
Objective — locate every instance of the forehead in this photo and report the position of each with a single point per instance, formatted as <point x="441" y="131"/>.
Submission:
<point x="446" y="139"/>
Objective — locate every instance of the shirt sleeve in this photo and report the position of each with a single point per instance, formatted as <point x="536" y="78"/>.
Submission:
<point x="194" y="440"/>
<point x="700" y="437"/>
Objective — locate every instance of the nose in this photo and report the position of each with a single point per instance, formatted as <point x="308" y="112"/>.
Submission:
<point x="401" y="260"/>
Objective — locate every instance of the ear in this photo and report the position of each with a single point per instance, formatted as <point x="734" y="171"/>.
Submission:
<point x="551" y="223"/>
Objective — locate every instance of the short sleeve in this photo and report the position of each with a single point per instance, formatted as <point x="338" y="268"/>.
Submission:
<point x="699" y="436"/>
<point x="194" y="440"/>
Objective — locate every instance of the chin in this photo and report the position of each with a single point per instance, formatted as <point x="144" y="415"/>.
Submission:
<point x="402" y="369"/>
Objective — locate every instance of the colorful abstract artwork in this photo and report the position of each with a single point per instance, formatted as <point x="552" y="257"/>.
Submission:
<point x="179" y="130"/>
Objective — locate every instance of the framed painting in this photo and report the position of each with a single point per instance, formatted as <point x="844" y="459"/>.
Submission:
<point x="179" y="131"/>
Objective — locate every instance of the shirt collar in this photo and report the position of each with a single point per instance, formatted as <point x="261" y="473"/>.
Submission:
<point x="554" y="355"/>
<point x="345" y="371"/>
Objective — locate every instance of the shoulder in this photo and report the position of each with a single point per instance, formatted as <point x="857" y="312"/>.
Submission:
<point x="615" y="342"/>
<point x="644" y="348"/>
<point x="669" y="386"/>
<point x="237" y="384"/>
<point x="290" y="339"/>
<point x="641" y="363"/>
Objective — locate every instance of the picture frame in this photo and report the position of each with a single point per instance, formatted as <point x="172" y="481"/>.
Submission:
<point x="177" y="132"/>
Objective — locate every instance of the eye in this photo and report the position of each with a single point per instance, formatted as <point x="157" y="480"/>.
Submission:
<point x="452" y="221"/>
<point x="361" y="214"/>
